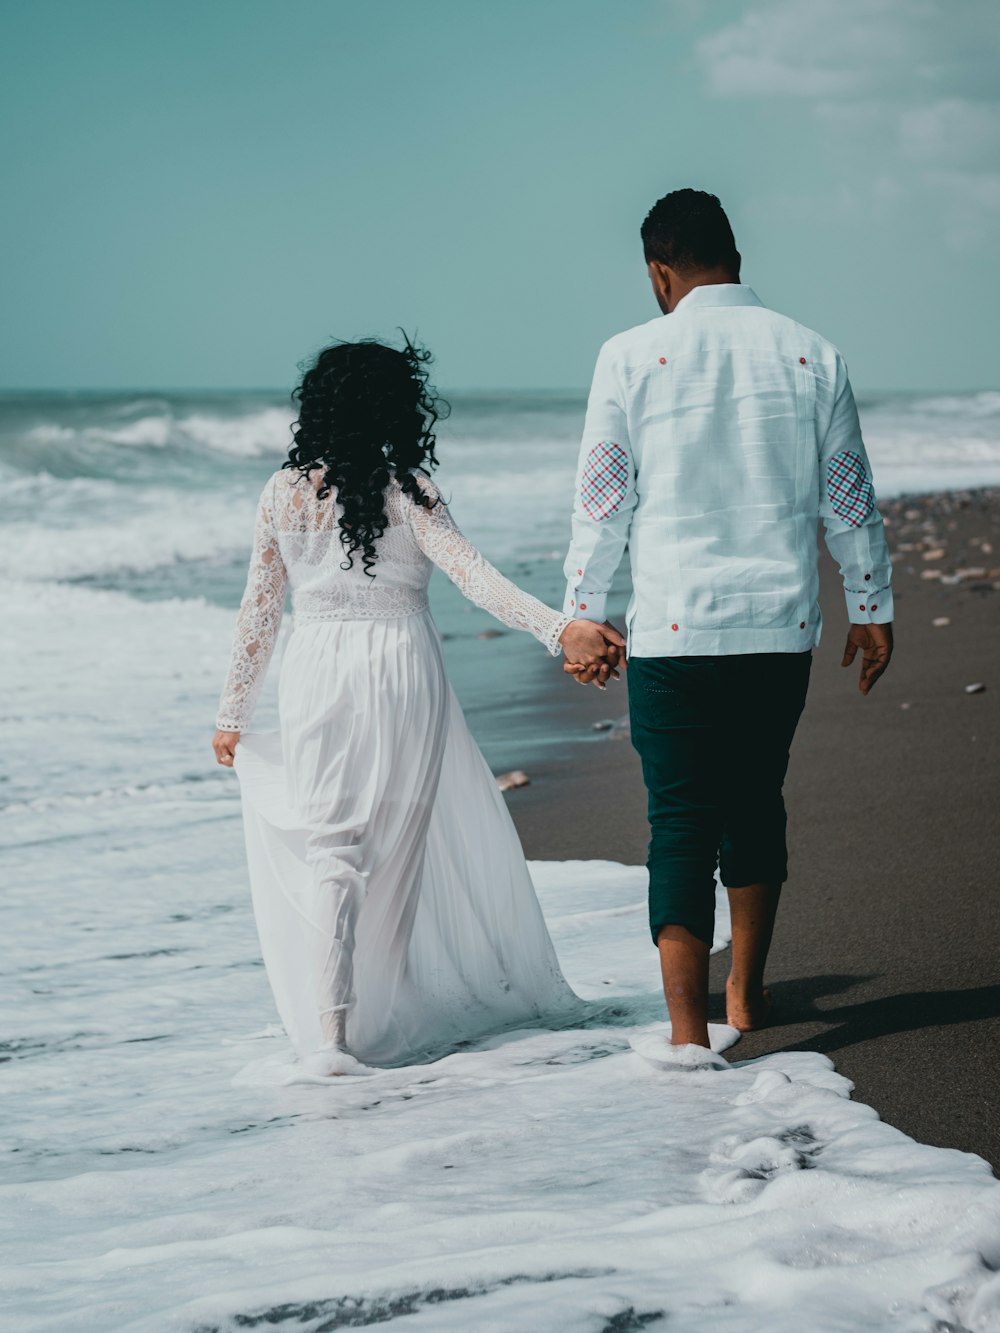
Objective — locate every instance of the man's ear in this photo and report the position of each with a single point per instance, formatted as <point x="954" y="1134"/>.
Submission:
<point x="659" y="276"/>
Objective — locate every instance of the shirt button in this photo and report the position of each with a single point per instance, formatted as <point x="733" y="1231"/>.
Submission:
<point x="802" y="360"/>
<point x="580" y="571"/>
<point x="874" y="606"/>
<point x="861" y="608"/>
<point x="663" y="360"/>
<point x="802" y="624"/>
<point x="673" y="626"/>
<point x="583" y="606"/>
<point x="572" y="601"/>
<point x="867" y="577"/>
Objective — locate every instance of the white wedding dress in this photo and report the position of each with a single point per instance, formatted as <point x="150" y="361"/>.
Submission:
<point x="394" y="907"/>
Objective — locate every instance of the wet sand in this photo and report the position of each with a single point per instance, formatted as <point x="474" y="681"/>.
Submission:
<point x="887" y="949"/>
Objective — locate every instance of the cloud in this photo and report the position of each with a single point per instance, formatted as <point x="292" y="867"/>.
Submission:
<point x="953" y="131"/>
<point x="915" y="77"/>
<point x="828" y="48"/>
<point x="788" y="49"/>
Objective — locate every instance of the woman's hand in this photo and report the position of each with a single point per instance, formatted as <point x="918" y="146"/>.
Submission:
<point x="592" y="675"/>
<point x="592" y="651"/>
<point x="224" y="744"/>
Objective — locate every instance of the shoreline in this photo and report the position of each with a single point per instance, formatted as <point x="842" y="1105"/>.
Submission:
<point x="885" y="947"/>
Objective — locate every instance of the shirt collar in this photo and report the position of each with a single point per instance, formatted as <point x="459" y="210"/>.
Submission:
<point x="718" y="293"/>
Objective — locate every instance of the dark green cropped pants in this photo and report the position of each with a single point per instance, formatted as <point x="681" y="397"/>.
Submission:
<point x="713" y="734"/>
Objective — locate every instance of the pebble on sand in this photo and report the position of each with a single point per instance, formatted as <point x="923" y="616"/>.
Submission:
<point x="517" y="778"/>
<point x="938" y="553"/>
<point x="978" y="688"/>
<point x="938" y="621"/>
<point x="605" y="724"/>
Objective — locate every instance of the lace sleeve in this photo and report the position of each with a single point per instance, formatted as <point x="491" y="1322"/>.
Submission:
<point x="440" y="539"/>
<point x="257" y="623"/>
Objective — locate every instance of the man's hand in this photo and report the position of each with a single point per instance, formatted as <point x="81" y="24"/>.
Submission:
<point x="224" y="744"/>
<point x="875" y="642"/>
<point x="593" y="652"/>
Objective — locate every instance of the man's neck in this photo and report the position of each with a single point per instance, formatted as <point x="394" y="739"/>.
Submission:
<point x="708" y="277"/>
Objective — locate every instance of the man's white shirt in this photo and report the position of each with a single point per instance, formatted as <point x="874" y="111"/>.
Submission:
<point x="715" y="440"/>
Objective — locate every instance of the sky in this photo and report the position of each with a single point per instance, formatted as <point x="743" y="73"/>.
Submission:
<point x="200" y="195"/>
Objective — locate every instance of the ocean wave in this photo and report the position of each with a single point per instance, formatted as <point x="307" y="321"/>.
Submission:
<point x="150" y="432"/>
<point x="983" y="404"/>
<point x="265" y="432"/>
<point x="44" y="486"/>
<point x="230" y="431"/>
<point x="50" y="433"/>
<point x="120" y="530"/>
<point x="189" y="789"/>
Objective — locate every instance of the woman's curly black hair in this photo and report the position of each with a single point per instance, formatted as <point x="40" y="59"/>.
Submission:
<point x="366" y="414"/>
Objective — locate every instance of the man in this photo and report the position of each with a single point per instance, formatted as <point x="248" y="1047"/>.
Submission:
<point x="715" y="440"/>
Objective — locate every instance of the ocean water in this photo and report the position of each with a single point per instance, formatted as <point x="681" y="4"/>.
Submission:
<point x="152" y="497"/>
<point x="540" y="1180"/>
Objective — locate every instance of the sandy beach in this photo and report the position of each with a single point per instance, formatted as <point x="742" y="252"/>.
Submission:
<point x="885" y="953"/>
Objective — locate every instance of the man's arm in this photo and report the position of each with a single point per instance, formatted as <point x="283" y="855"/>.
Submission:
<point x="605" y="497"/>
<point x="855" y="534"/>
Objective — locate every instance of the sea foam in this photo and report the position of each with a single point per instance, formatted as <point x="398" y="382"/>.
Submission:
<point x="542" y="1178"/>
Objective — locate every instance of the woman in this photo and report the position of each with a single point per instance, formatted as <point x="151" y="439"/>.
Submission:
<point x="394" y="906"/>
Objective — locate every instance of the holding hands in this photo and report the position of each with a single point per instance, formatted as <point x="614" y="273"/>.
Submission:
<point x="593" y="652"/>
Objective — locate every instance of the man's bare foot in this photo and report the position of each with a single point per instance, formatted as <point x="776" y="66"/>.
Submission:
<point x="747" y="1013"/>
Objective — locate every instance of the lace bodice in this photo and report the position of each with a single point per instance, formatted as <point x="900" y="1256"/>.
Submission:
<point x="297" y="544"/>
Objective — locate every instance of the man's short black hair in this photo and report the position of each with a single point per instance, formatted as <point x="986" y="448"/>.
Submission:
<point x="688" y="230"/>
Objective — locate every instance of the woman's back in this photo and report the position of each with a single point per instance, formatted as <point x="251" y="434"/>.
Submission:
<point x="308" y="538"/>
<point x="297" y="541"/>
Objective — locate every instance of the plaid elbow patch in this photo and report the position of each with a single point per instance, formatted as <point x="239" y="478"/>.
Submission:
<point x="604" y="483"/>
<point x="851" y="493"/>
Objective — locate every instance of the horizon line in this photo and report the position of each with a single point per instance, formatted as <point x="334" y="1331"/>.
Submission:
<point x="476" y="392"/>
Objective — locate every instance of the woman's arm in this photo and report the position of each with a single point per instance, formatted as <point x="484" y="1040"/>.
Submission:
<point x="257" y="624"/>
<point x="439" y="537"/>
